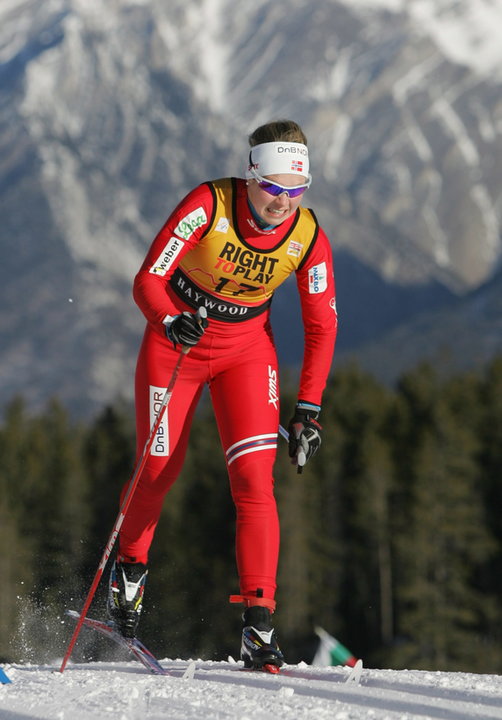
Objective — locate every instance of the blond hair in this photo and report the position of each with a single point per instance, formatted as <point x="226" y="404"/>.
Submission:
<point x="278" y="130"/>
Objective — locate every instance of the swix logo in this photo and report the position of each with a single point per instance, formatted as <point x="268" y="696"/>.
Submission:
<point x="108" y="549"/>
<point x="111" y="542"/>
<point x="273" y="397"/>
<point x="160" y="445"/>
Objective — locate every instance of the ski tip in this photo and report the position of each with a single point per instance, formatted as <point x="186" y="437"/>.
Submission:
<point x="272" y="669"/>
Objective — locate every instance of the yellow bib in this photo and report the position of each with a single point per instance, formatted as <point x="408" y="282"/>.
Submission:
<point x="236" y="280"/>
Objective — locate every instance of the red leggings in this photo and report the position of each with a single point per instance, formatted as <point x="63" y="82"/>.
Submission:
<point x="241" y="371"/>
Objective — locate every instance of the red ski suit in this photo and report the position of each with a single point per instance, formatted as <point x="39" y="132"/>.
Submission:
<point x="211" y="253"/>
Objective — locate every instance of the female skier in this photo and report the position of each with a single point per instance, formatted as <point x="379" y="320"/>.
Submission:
<point x="226" y="248"/>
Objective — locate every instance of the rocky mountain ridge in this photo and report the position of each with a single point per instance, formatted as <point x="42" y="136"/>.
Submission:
<point x="110" y="112"/>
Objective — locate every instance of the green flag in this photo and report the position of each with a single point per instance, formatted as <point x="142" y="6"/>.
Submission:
<point x="331" y="652"/>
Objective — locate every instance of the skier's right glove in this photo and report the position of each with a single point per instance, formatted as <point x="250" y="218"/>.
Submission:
<point x="186" y="329"/>
<point x="304" y="434"/>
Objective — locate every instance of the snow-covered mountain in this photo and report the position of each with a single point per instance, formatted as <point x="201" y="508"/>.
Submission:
<point x="110" y="111"/>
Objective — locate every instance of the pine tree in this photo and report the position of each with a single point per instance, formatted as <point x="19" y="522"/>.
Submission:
<point x="360" y="408"/>
<point x="440" y="535"/>
<point x="108" y="450"/>
<point x="335" y="562"/>
<point x="489" y="424"/>
<point x="55" y="516"/>
<point x="16" y="559"/>
<point x="42" y="501"/>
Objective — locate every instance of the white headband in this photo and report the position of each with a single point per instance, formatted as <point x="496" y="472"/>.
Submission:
<point x="278" y="158"/>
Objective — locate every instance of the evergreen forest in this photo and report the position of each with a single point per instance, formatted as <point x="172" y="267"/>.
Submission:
<point x="391" y="537"/>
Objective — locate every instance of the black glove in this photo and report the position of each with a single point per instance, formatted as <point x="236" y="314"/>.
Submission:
<point x="304" y="434"/>
<point x="187" y="328"/>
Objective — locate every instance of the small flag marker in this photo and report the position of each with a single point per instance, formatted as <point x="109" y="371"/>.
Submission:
<point x="4" y="680"/>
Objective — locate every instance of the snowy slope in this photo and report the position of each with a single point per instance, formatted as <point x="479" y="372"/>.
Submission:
<point x="220" y="691"/>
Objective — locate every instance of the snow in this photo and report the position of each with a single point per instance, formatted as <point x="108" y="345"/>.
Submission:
<point x="414" y="77"/>
<point x="124" y="690"/>
<point x="467" y="31"/>
<point x="444" y="112"/>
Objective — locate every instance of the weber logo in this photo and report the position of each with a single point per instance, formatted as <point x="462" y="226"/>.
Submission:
<point x="160" y="445"/>
<point x="167" y="257"/>
<point x="318" y="281"/>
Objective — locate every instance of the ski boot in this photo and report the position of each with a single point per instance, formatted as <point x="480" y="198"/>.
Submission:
<point x="259" y="649"/>
<point x="125" y="597"/>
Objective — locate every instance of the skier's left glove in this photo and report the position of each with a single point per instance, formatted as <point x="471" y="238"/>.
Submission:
<point x="304" y="433"/>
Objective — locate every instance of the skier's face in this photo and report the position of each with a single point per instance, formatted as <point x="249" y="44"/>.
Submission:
<point x="274" y="209"/>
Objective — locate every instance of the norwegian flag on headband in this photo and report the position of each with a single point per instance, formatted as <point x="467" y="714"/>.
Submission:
<point x="297" y="165"/>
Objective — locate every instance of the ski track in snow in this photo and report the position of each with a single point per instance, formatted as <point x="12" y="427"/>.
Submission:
<point x="221" y="691"/>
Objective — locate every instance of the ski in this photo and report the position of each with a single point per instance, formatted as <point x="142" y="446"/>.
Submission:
<point x="141" y="653"/>
<point x="133" y="645"/>
<point x="266" y="668"/>
<point x="354" y="677"/>
<point x="293" y="671"/>
<point x="270" y="668"/>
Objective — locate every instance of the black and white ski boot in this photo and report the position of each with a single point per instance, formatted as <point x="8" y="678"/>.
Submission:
<point x="125" y="596"/>
<point x="259" y="649"/>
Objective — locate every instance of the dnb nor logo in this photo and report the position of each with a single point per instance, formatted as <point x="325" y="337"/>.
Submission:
<point x="160" y="445"/>
<point x="189" y="224"/>
<point x="318" y="279"/>
<point x="167" y="257"/>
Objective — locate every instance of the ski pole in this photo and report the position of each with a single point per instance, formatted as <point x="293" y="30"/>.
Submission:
<point x="285" y="435"/>
<point x="133" y="483"/>
<point x="283" y="432"/>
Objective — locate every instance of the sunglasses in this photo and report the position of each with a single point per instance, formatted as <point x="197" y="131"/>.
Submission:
<point x="275" y="189"/>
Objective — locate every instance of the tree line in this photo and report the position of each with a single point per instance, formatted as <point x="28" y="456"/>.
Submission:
<point x="391" y="537"/>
